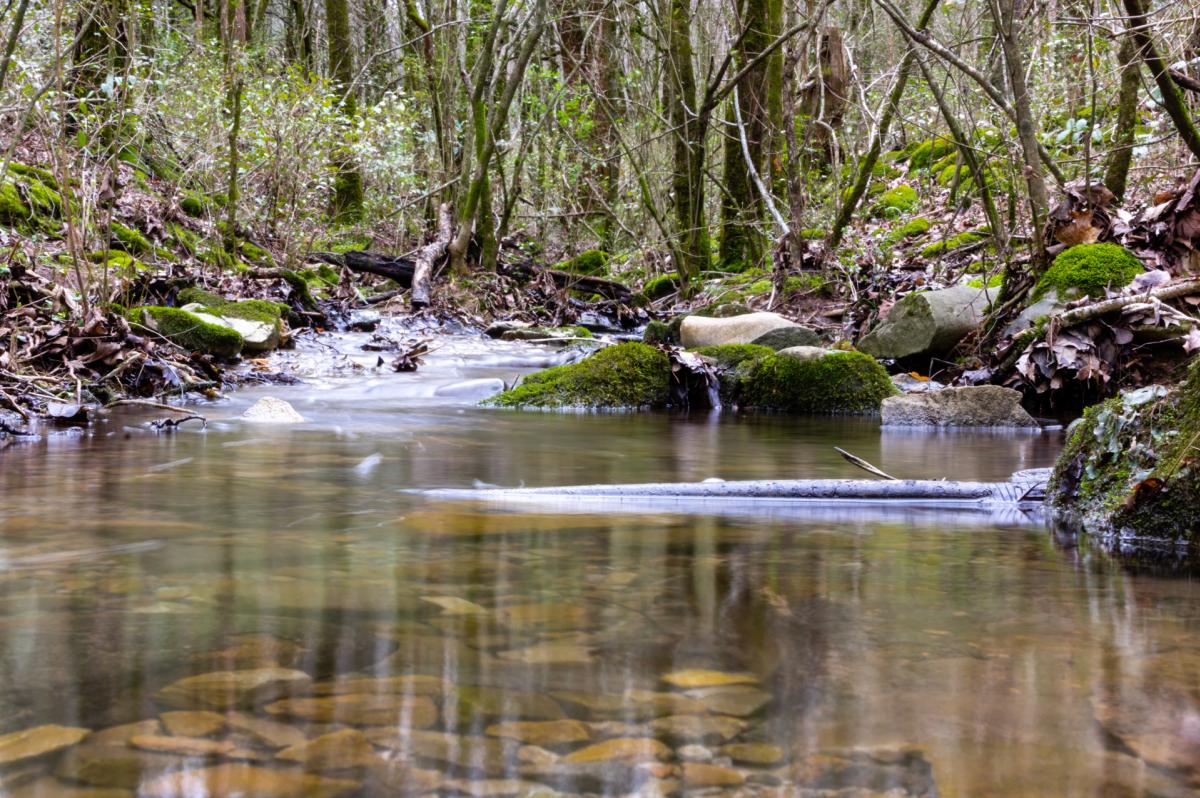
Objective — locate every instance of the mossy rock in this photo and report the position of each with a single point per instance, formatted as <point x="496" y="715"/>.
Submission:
<point x="840" y="383"/>
<point x="193" y="203"/>
<point x="27" y="202"/>
<point x="591" y="262"/>
<point x="661" y="286"/>
<point x="729" y="355"/>
<point x="657" y="332"/>
<point x="35" y="173"/>
<point x="626" y="376"/>
<point x="758" y="288"/>
<point x="930" y="152"/>
<point x="130" y="240"/>
<point x="189" y="330"/>
<point x="954" y="242"/>
<point x="1130" y="473"/>
<point x="814" y="233"/>
<point x="183" y="238"/>
<point x="897" y="200"/>
<point x="947" y="175"/>
<point x="255" y="254"/>
<point x="913" y="228"/>
<point x="942" y="163"/>
<point x="217" y="256"/>
<point x="250" y="309"/>
<point x="116" y="259"/>
<point x="807" y="283"/>
<point x="13" y="210"/>
<point x="1088" y="269"/>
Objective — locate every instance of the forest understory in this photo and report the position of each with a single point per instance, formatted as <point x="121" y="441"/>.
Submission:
<point x="588" y="170"/>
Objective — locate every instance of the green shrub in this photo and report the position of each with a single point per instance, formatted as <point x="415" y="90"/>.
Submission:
<point x="1088" y="269"/>
<point x="628" y="375"/>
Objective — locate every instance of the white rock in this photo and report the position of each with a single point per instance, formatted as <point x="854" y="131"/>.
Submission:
<point x="273" y="411"/>
<point x="804" y="353"/>
<point x="702" y="331"/>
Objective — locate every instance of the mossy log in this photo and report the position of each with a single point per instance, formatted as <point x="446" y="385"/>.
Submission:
<point x="356" y="260"/>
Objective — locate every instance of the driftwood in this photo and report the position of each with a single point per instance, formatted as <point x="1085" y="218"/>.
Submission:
<point x="428" y="255"/>
<point x="1023" y="487"/>
<point x="356" y="260"/>
<point x="1079" y="315"/>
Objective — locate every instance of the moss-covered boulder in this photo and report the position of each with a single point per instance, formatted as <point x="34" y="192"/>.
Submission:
<point x="727" y="356"/>
<point x="592" y="262"/>
<point x="954" y="243"/>
<point x="258" y="321"/>
<point x="626" y="376"/>
<point x="1088" y="269"/>
<point x="29" y="199"/>
<point x="832" y="383"/>
<point x="189" y="330"/>
<point x="1130" y="472"/>
<point x="130" y="240"/>
<point x="896" y="201"/>
<point x="661" y="286"/>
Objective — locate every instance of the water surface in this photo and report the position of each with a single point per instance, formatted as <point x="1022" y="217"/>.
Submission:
<point x="363" y="640"/>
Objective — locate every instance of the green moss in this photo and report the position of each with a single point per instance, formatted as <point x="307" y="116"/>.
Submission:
<point x="758" y="288"/>
<point x="193" y="203"/>
<point x="928" y="152"/>
<point x="300" y="288"/>
<point x="1130" y="471"/>
<point x="658" y="332"/>
<point x="255" y="254"/>
<point x="592" y="261"/>
<point x="130" y="240"/>
<point x="941" y="164"/>
<point x="730" y="355"/>
<point x="328" y="275"/>
<point x="628" y="375"/>
<point x="898" y="200"/>
<point x="954" y="242"/>
<point x="13" y="210"/>
<point x="723" y="310"/>
<point x="804" y="282"/>
<point x="34" y="173"/>
<point x="813" y="233"/>
<point x="946" y="176"/>
<point x="911" y="229"/>
<point x="838" y="383"/>
<point x="217" y="256"/>
<point x="251" y="309"/>
<point x="995" y="281"/>
<point x="188" y="330"/>
<point x="1088" y="269"/>
<point x="183" y="238"/>
<point x="199" y="296"/>
<point x="661" y="286"/>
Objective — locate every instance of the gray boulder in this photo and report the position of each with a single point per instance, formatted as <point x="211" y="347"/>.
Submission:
<point x="929" y="323"/>
<point x="786" y="337"/>
<point x="702" y="331"/>
<point x="1048" y="305"/>
<point x="972" y="406"/>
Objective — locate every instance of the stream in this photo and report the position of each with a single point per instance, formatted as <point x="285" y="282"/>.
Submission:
<point x="260" y="610"/>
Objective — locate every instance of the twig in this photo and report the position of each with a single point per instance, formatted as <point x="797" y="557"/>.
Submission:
<point x="863" y="464"/>
<point x="157" y="405"/>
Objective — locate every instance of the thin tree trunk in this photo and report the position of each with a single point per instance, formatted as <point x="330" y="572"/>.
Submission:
<point x="1116" y="173"/>
<point x="347" y="204"/>
<point x="878" y="136"/>
<point x="1005" y="17"/>
<point x="1172" y="100"/>
<point x="688" y="170"/>
<point x="234" y="25"/>
<point x="14" y="35"/>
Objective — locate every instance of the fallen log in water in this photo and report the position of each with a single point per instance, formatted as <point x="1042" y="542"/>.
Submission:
<point x="1025" y="489"/>
<point x="356" y="260"/>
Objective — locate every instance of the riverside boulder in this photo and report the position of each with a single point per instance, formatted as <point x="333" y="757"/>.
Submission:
<point x="626" y="376"/>
<point x="1130" y="472"/>
<point x="928" y="323"/>
<point x="971" y="406"/>
<point x="697" y="331"/>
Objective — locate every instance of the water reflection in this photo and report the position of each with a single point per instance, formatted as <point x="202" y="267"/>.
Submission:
<point x="252" y="612"/>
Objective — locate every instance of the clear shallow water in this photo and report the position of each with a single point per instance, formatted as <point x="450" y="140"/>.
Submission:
<point x="368" y="641"/>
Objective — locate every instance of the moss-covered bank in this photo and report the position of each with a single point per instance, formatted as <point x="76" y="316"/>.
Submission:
<point x="626" y="376"/>
<point x="1130" y="472"/>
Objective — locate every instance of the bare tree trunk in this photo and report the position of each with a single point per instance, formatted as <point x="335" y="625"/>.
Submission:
<point x="347" y="204"/>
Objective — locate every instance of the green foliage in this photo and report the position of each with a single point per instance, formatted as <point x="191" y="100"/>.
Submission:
<point x="954" y="242"/>
<point x="188" y="330"/>
<point x="591" y="262"/>
<point x="948" y="174"/>
<point x="839" y="383"/>
<point x="628" y="375"/>
<point x="758" y="288"/>
<point x="730" y="355"/>
<point x="44" y="176"/>
<point x="814" y="233"/>
<point x="1089" y="269"/>
<point x="255" y="254"/>
<point x="130" y="240"/>
<point x="183" y="238"/>
<point x="13" y="210"/>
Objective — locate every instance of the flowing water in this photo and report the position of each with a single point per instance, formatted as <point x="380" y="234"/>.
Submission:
<point x="269" y="611"/>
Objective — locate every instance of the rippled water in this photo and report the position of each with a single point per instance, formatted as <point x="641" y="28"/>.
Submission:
<point x="351" y="638"/>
